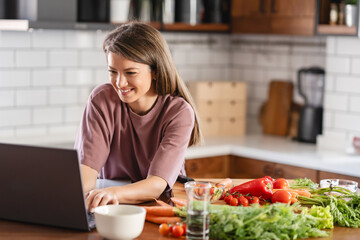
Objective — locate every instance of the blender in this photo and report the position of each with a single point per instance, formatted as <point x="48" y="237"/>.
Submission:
<point x="311" y="83"/>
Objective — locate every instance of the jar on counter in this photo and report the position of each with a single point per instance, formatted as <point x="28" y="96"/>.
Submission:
<point x="333" y="14"/>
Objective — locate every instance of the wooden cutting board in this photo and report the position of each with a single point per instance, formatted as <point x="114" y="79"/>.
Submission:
<point x="276" y="115"/>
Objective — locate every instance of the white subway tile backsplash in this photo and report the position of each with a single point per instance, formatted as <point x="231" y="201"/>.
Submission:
<point x="93" y="59"/>
<point x="67" y="130"/>
<point x="48" y="115"/>
<point x="48" y="39"/>
<point x="84" y="94"/>
<point x="47" y="77"/>
<point x="331" y="45"/>
<point x="63" y="96"/>
<point x="15" y="117"/>
<point x="199" y="58"/>
<point x="219" y="58"/>
<point x="80" y="39"/>
<point x="101" y="76"/>
<point x="14" y="78"/>
<point x="329" y="82"/>
<point x="328" y="121"/>
<point x="63" y="58"/>
<point x="32" y="97"/>
<point x="31" y="131"/>
<point x="355" y="65"/>
<point x="242" y="58"/>
<point x="297" y="61"/>
<point x="99" y="38"/>
<point x="335" y="101"/>
<point x="348" y="46"/>
<point x="15" y="39"/>
<point x="74" y="114"/>
<point x="237" y="74"/>
<point x="7" y="98"/>
<point x="337" y="64"/>
<point x="34" y="58"/>
<point x="214" y="74"/>
<point x="79" y="77"/>
<point x="315" y="60"/>
<point x="180" y="57"/>
<point x="355" y="104"/>
<point x="347" y="122"/>
<point x="6" y="133"/>
<point x="7" y="58"/>
<point x="190" y="73"/>
<point x="347" y="84"/>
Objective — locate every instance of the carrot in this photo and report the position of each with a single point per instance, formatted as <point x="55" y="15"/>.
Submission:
<point x="162" y="203"/>
<point x="160" y="219"/>
<point x="301" y="192"/>
<point x="227" y="182"/>
<point x="179" y="202"/>
<point x="160" y="211"/>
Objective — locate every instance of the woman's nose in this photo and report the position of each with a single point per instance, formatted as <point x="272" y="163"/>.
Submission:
<point x="121" y="81"/>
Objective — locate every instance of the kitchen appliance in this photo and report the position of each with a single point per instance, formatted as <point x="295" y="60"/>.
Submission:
<point x="311" y="83"/>
<point x="93" y="10"/>
<point x="188" y="11"/>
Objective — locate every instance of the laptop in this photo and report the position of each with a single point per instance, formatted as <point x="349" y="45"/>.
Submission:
<point x="42" y="185"/>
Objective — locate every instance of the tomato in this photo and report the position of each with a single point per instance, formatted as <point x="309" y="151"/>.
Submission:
<point x="177" y="231"/>
<point x="164" y="229"/>
<point x="228" y="199"/>
<point x="281" y="183"/>
<point x="281" y="196"/>
<point x="243" y="201"/>
<point x="234" y="202"/>
<point x="212" y="191"/>
<point x="184" y="227"/>
<point x="254" y="200"/>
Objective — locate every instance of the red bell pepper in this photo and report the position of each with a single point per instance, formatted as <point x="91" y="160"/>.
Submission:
<point x="261" y="187"/>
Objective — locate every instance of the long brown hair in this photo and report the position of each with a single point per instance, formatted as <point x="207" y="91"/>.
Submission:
<point x="144" y="44"/>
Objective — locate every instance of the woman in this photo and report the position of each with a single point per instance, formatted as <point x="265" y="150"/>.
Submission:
<point x="139" y="125"/>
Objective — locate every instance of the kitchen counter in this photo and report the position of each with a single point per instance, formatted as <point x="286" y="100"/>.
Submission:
<point x="280" y="150"/>
<point x="262" y="147"/>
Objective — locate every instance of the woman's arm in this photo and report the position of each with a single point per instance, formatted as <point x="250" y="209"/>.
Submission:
<point x="145" y="190"/>
<point x="89" y="177"/>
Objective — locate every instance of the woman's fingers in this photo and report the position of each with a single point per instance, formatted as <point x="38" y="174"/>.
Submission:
<point x="100" y="198"/>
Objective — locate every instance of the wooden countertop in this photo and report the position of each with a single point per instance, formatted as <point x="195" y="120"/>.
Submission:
<point x="13" y="230"/>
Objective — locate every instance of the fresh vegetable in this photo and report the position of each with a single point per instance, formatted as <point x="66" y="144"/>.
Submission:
<point x="179" y="201"/>
<point x="227" y="182"/>
<point x="160" y="211"/>
<point x="253" y="200"/>
<point x="164" y="229"/>
<point x="281" y="183"/>
<point x="274" y="221"/>
<point x="281" y="196"/>
<point x="303" y="183"/>
<point x="301" y="192"/>
<point x="161" y="219"/>
<point x="344" y="205"/>
<point x="234" y="202"/>
<point x="162" y="203"/>
<point x="243" y="201"/>
<point x="261" y="187"/>
<point x="177" y="231"/>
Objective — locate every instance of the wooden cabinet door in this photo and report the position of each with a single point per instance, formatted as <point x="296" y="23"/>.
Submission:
<point x="293" y="17"/>
<point x="250" y="16"/>
<point x="212" y="167"/>
<point x="249" y="168"/>
<point x="325" y="175"/>
<point x="291" y="172"/>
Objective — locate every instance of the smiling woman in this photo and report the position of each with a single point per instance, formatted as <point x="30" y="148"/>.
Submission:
<point x="139" y="126"/>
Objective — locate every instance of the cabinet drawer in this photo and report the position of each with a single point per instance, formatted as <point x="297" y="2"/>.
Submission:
<point x="213" y="167"/>
<point x="232" y="126"/>
<point x="204" y="90"/>
<point x="233" y="108"/>
<point x="291" y="172"/>
<point x="249" y="168"/>
<point x="209" y="108"/>
<point x="210" y="126"/>
<point x="233" y="91"/>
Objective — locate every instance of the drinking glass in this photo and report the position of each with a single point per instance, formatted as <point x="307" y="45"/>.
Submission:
<point x="198" y="204"/>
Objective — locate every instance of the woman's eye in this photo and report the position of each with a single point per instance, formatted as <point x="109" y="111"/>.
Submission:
<point x="131" y="73"/>
<point x="111" y="71"/>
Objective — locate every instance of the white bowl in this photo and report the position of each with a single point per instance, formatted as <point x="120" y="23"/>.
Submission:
<point x="119" y="221"/>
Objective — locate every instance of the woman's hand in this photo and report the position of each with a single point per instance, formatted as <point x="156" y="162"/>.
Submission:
<point x="101" y="197"/>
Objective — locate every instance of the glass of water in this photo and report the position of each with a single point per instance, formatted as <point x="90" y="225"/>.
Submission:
<point x="198" y="204"/>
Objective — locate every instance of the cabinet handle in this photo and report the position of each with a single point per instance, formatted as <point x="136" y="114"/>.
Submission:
<point x="267" y="170"/>
<point x="279" y="173"/>
<point x="273" y="3"/>
<point x="262" y="6"/>
<point x="209" y="102"/>
<point x="209" y="120"/>
<point x="232" y="102"/>
<point x="193" y="167"/>
<point x="232" y="120"/>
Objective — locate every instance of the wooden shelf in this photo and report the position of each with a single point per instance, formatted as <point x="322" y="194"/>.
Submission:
<point x="203" y="27"/>
<point x="325" y="29"/>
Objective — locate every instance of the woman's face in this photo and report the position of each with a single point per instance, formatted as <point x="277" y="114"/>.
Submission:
<point x="133" y="82"/>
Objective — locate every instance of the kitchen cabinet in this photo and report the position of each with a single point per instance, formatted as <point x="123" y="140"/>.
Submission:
<point x="251" y="168"/>
<point x="216" y="167"/>
<point x="295" y="17"/>
<point x="220" y="114"/>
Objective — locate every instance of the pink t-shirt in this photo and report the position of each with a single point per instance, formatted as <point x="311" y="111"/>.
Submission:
<point x="121" y="144"/>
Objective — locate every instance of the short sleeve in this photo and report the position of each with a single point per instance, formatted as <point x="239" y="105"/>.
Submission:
<point x="94" y="136"/>
<point x="170" y="156"/>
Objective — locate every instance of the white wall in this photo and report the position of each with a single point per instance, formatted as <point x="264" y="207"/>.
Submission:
<point x="46" y="75"/>
<point x="342" y="95"/>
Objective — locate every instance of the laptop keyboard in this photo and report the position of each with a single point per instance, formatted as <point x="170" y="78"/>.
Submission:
<point x="91" y="219"/>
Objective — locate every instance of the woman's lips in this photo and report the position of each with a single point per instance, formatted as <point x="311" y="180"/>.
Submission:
<point x="125" y="92"/>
